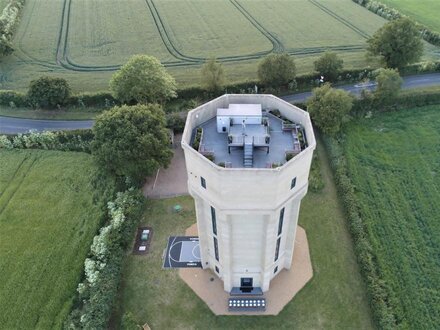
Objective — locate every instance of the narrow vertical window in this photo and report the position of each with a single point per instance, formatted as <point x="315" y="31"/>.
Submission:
<point x="217" y="270"/>
<point x="277" y="249"/>
<point x="280" y="223"/>
<point x="203" y="182"/>
<point x="293" y="183"/>
<point x="275" y="270"/>
<point x="216" y="249"/>
<point x="214" y="221"/>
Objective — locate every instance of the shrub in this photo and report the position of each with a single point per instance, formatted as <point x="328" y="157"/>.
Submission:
<point x="389" y="83"/>
<point x="212" y="76"/>
<point x="329" y="65"/>
<point x="176" y="121"/>
<point x="276" y="70"/>
<point x="329" y="107"/>
<point x="48" y="92"/>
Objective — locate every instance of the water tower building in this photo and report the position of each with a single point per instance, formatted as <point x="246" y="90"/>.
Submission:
<point x="248" y="159"/>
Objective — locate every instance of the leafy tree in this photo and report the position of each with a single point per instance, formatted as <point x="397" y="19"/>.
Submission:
<point x="277" y="70"/>
<point x="48" y="92"/>
<point x="132" y="141"/>
<point x="143" y="79"/>
<point x="398" y="42"/>
<point x="212" y="75"/>
<point x="329" y="65"/>
<point x="329" y="107"/>
<point x="389" y="84"/>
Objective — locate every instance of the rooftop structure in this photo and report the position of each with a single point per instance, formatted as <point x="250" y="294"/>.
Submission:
<point x="245" y="135"/>
<point x="248" y="159"/>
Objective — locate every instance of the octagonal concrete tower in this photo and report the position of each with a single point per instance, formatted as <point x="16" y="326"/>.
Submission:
<point x="248" y="159"/>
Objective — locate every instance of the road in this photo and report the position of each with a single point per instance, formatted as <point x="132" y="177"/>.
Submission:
<point x="9" y="125"/>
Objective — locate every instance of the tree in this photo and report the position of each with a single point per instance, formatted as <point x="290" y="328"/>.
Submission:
<point x="329" y="65"/>
<point x="398" y="42"/>
<point x="389" y="84"/>
<point x="276" y="70"/>
<point x="329" y="107"/>
<point x="212" y="75"/>
<point x="132" y="141"/>
<point x="143" y="79"/>
<point x="48" y="92"/>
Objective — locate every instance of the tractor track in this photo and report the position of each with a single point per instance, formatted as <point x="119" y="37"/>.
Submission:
<point x="62" y="59"/>
<point x="340" y="19"/>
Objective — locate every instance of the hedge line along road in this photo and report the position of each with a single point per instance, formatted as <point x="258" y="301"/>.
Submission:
<point x="10" y="125"/>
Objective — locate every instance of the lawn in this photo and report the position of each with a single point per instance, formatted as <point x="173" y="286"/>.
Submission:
<point x="334" y="299"/>
<point x="85" y="41"/>
<point x="394" y="163"/>
<point x="423" y="11"/>
<point x="47" y="222"/>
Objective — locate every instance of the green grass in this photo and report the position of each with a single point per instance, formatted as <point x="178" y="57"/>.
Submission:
<point x="334" y="299"/>
<point x="69" y="114"/>
<point x="424" y="11"/>
<point x="3" y="4"/>
<point x="394" y="162"/>
<point x="47" y="221"/>
<point x="95" y="37"/>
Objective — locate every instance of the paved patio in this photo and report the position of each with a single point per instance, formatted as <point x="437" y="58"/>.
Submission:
<point x="283" y="287"/>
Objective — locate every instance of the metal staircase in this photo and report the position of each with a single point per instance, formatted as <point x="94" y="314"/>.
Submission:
<point x="248" y="153"/>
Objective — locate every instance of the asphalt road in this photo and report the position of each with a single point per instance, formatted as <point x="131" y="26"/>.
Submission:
<point x="9" y="125"/>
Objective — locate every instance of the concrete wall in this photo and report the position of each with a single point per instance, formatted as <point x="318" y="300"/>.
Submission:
<point x="247" y="201"/>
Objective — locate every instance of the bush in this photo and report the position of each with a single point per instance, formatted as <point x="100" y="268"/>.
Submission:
<point x="48" y="92"/>
<point x="316" y="183"/>
<point x="276" y="70"/>
<point x="329" y="65"/>
<point x="97" y="99"/>
<point x="176" y="121"/>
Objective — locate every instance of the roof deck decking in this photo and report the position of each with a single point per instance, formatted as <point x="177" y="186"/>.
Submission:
<point x="217" y="143"/>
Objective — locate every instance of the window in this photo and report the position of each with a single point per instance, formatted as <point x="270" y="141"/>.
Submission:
<point x="214" y="221"/>
<point x="277" y="249"/>
<point x="275" y="270"/>
<point x="280" y="223"/>
<point x="217" y="270"/>
<point x="293" y="183"/>
<point x="203" y="182"/>
<point x="216" y="249"/>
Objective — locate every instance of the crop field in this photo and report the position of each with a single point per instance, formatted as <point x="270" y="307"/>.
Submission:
<point x="394" y="162"/>
<point x="47" y="222"/>
<point x="423" y="11"/>
<point x="85" y="41"/>
<point x="333" y="299"/>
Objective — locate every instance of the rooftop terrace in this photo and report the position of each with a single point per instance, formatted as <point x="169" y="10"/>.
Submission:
<point x="265" y="141"/>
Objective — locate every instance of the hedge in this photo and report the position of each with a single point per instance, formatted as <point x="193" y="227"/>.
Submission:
<point x="9" y="19"/>
<point x="102" y="269"/>
<point x="76" y="140"/>
<point x="392" y="14"/>
<point x="378" y="293"/>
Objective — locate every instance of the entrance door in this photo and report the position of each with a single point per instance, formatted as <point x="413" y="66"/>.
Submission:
<point x="246" y="284"/>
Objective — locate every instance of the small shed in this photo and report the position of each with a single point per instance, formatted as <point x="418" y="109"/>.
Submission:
<point x="237" y="114"/>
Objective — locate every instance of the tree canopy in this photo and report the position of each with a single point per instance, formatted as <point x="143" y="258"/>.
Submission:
<point x="132" y="141"/>
<point x="328" y="108"/>
<point x="277" y="70"/>
<point x="329" y="65"/>
<point x="212" y="75"/>
<point x="389" y="84"/>
<point x="398" y="43"/>
<point x="48" y="92"/>
<point x="143" y="79"/>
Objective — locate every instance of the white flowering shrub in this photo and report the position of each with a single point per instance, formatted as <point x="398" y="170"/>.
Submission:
<point x="103" y="266"/>
<point x="5" y="143"/>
